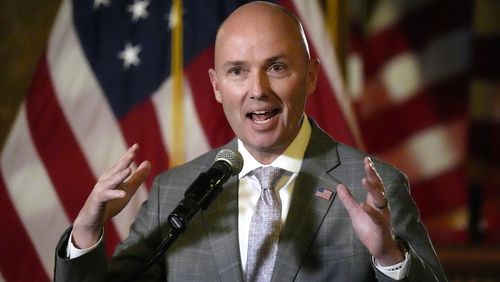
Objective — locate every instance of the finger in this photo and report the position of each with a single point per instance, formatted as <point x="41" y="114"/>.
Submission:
<point x="372" y="174"/>
<point x="100" y="198"/>
<point x="347" y="200"/>
<point x="128" y="157"/>
<point x="376" y="197"/>
<point x="143" y="170"/>
<point x="109" y="195"/>
<point x="125" y="160"/>
<point x="374" y="185"/>
<point x="129" y="187"/>
<point x="373" y="213"/>
<point x="111" y="181"/>
<point x="137" y="178"/>
<point x="123" y="163"/>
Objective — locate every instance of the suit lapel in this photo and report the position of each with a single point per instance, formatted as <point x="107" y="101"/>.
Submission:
<point x="305" y="216"/>
<point x="221" y="219"/>
<point x="307" y="210"/>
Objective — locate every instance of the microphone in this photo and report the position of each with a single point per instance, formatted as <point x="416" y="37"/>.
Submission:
<point x="198" y="196"/>
<point x="206" y="186"/>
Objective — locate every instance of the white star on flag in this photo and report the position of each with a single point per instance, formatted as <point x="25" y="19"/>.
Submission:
<point x="99" y="3"/>
<point x="138" y="10"/>
<point x="130" y="55"/>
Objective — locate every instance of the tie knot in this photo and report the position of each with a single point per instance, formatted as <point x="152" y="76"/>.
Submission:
<point x="268" y="176"/>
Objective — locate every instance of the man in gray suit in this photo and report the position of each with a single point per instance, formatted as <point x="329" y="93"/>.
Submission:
<point x="262" y="76"/>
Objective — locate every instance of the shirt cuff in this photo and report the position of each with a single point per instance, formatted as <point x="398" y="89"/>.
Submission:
<point x="73" y="252"/>
<point x="397" y="271"/>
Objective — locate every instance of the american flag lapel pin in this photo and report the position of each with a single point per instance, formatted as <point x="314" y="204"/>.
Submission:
<point x="323" y="193"/>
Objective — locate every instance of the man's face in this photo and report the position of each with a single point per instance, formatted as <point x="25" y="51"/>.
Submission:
<point x="262" y="78"/>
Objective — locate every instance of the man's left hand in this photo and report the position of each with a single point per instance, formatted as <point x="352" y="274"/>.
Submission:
<point x="371" y="219"/>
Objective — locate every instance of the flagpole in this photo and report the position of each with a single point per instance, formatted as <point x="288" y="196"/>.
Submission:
<point x="336" y="22"/>
<point x="177" y="137"/>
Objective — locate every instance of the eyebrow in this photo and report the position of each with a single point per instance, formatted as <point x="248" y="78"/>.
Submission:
<point x="231" y="64"/>
<point x="277" y="58"/>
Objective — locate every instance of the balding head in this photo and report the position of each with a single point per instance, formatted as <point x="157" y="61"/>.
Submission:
<point x="262" y="77"/>
<point x="260" y="16"/>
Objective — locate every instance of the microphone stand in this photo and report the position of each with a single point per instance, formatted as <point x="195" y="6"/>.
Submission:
<point x="164" y="245"/>
<point x="198" y="196"/>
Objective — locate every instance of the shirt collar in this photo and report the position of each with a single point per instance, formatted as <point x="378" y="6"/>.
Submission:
<point x="290" y="160"/>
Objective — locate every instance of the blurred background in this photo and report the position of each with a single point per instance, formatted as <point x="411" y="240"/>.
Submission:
<point x="416" y="83"/>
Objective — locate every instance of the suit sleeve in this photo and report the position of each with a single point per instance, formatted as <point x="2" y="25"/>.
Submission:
<point x="139" y="246"/>
<point x="424" y="264"/>
<point x="130" y="255"/>
<point x="88" y="267"/>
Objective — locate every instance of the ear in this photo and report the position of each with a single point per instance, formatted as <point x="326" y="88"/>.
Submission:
<point x="312" y="75"/>
<point x="215" y="84"/>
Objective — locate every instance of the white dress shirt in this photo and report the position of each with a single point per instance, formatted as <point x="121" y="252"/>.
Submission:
<point x="249" y="186"/>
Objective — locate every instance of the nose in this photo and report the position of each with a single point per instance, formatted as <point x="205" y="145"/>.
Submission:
<point x="259" y="87"/>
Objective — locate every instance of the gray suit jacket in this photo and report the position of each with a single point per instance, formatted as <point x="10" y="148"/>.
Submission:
<point x="317" y="242"/>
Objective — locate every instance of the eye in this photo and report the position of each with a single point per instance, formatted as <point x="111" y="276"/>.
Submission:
<point x="237" y="71"/>
<point x="278" y="67"/>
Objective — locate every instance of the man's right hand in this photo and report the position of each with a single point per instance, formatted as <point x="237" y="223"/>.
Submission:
<point x="108" y="197"/>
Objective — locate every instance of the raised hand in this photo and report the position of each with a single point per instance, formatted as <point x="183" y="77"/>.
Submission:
<point x="110" y="195"/>
<point x="371" y="219"/>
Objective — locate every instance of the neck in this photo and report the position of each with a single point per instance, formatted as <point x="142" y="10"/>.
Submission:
<point x="265" y="157"/>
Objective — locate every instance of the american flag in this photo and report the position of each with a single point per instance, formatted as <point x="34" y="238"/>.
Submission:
<point x="116" y="73"/>
<point x="323" y="193"/>
<point x="484" y="132"/>
<point x="413" y="62"/>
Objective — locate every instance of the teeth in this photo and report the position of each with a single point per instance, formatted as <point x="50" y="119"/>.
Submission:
<point x="261" y="121"/>
<point x="259" y="112"/>
<point x="262" y="116"/>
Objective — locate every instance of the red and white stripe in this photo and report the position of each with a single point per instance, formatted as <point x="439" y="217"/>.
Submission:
<point x="66" y="135"/>
<point x="412" y="106"/>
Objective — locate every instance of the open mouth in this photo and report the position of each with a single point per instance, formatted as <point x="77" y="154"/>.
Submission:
<point x="262" y="116"/>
